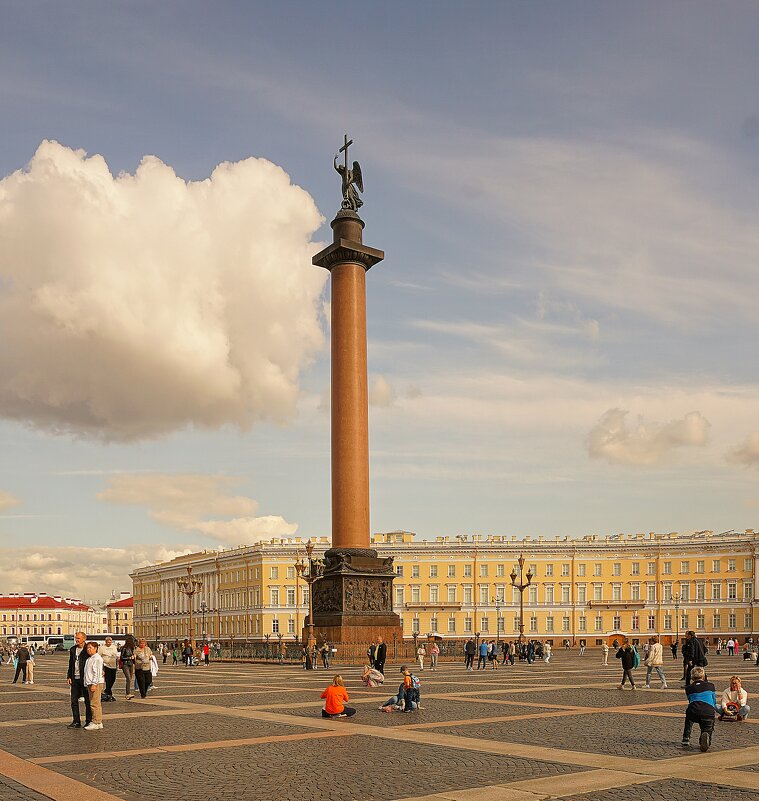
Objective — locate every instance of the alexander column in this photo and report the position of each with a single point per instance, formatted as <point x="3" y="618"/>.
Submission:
<point x="353" y="600"/>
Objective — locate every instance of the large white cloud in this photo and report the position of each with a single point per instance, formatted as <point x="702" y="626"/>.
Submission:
<point x="200" y="503"/>
<point x="89" y="573"/>
<point x="645" y="443"/>
<point x="138" y="304"/>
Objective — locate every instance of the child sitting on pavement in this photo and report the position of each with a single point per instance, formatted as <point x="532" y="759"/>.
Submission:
<point x="702" y="703"/>
<point x="734" y="702"/>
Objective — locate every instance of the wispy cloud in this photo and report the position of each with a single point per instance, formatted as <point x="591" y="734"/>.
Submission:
<point x="8" y="500"/>
<point x="746" y="454"/>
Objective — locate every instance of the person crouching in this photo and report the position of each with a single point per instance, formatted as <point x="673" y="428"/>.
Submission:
<point x="702" y="703"/>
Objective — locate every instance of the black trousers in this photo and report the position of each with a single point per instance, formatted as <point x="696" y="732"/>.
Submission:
<point x="110" y="680"/>
<point x="20" y="669"/>
<point x="705" y="724"/>
<point x="79" y="690"/>
<point x="144" y="680"/>
<point x="380" y="666"/>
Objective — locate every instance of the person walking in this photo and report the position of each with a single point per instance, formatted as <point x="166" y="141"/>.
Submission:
<point x="142" y="666"/>
<point x="654" y="661"/>
<point x="731" y="647"/>
<point x="175" y="654"/>
<point x="530" y="652"/>
<point x="370" y="653"/>
<point x="694" y="655"/>
<point x="127" y="664"/>
<point x="627" y="657"/>
<point x="673" y="648"/>
<point x="547" y="653"/>
<point x="434" y="654"/>
<point x="187" y="653"/>
<point x="605" y="652"/>
<point x="421" y="652"/>
<point x="110" y="655"/>
<point x="582" y="647"/>
<point x="75" y="680"/>
<point x="94" y="681"/>
<point x="207" y="653"/>
<point x="164" y="652"/>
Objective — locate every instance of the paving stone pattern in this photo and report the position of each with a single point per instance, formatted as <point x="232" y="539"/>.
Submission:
<point x="669" y="790"/>
<point x="13" y="791"/>
<point x="359" y="768"/>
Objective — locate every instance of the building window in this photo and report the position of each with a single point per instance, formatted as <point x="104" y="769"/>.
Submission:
<point x="468" y="624"/>
<point x="549" y="593"/>
<point x="415" y="625"/>
<point x="666" y="592"/>
<point x="635" y="592"/>
<point x="433" y="571"/>
<point x="501" y="625"/>
<point x="700" y="591"/>
<point x="651" y="622"/>
<point x="731" y="565"/>
<point x="483" y="571"/>
<point x="274" y="596"/>
<point x="685" y="567"/>
<point x="468" y="596"/>
<point x="700" y="566"/>
<point x="667" y="622"/>
<point x="617" y="622"/>
<point x="715" y="566"/>
<point x="684" y="622"/>
<point x="274" y="572"/>
<point x="581" y="570"/>
<point x="617" y="569"/>
<point x="700" y="621"/>
<point x="582" y="623"/>
<point x="291" y="596"/>
<point x="549" y="570"/>
<point x="484" y="625"/>
<point x="399" y="570"/>
<point x="732" y="590"/>
<point x="599" y="623"/>
<point x="532" y="595"/>
<point x="616" y="592"/>
<point x="731" y="621"/>
<point x="500" y="571"/>
<point x="433" y="623"/>
<point x="565" y="569"/>
<point x="291" y="626"/>
<point x="716" y="622"/>
<point x="533" y="624"/>
<point x="565" y="623"/>
<point x="667" y="568"/>
<point x="635" y="569"/>
<point x="451" y="571"/>
<point x="598" y="590"/>
<point x="467" y="571"/>
<point x="416" y="595"/>
<point x="452" y="594"/>
<point x="597" y="569"/>
<point x="635" y="623"/>
<point x="451" y="625"/>
<point x="651" y="568"/>
<point x="434" y="595"/>
<point x="291" y="572"/>
<point x="684" y="591"/>
<point x="748" y="591"/>
<point x="748" y="565"/>
<point x="716" y="591"/>
<point x="414" y="571"/>
<point x="549" y="624"/>
<point x="275" y="626"/>
<point x="581" y="594"/>
<point x="747" y="620"/>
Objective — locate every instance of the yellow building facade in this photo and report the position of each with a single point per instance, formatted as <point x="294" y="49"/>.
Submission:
<point x="591" y="588"/>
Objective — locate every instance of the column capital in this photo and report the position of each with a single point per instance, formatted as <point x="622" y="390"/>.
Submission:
<point x="347" y="250"/>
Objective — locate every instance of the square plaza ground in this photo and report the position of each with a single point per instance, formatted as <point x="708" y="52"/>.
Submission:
<point x="558" y="731"/>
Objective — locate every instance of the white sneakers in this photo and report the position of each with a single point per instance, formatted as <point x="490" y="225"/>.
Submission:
<point x="93" y="726"/>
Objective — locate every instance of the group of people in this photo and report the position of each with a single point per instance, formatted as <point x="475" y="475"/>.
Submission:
<point x="311" y="655"/>
<point x="22" y="658"/>
<point x="487" y="653"/>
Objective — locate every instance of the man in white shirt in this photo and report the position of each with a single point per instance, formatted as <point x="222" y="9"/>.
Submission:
<point x="110" y="654"/>
<point x="93" y="683"/>
<point x="736" y="696"/>
<point x="75" y="679"/>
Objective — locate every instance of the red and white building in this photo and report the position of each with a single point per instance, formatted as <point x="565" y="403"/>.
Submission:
<point x="120" y="615"/>
<point x="33" y="614"/>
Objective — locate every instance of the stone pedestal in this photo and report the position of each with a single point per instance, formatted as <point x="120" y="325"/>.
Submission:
<point x="353" y="602"/>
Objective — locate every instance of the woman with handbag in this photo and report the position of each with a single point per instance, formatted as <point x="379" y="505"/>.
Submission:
<point x="142" y="666"/>
<point x="126" y="660"/>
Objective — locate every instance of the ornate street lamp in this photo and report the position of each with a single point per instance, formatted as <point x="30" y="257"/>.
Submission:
<point x="310" y="572"/>
<point x="521" y="586"/>
<point x="676" y="599"/>
<point x="497" y="601"/>
<point x="203" y="609"/>
<point x="190" y="585"/>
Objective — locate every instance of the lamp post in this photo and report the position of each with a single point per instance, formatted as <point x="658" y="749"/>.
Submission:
<point x="155" y="612"/>
<point x="521" y="586"/>
<point x="497" y="601"/>
<point x="203" y="609"/>
<point x="310" y="572"/>
<point x="189" y="585"/>
<point x="676" y="599"/>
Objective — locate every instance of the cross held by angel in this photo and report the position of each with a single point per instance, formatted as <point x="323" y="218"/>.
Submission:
<point x="352" y="180"/>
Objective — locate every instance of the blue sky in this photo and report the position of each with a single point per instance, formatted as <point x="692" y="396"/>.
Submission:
<point x="562" y="335"/>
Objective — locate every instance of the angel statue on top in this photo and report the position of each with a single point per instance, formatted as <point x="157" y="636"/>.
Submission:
<point x="353" y="181"/>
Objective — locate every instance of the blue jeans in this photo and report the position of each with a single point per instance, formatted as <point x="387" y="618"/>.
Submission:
<point x="659" y="673"/>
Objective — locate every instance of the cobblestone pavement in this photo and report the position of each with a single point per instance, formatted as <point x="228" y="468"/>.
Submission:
<point x="560" y="731"/>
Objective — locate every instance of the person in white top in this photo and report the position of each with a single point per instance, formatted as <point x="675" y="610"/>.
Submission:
<point x="737" y="696"/>
<point x="110" y="654"/>
<point x="94" y="683"/>
<point x="605" y="652"/>
<point x="731" y="647"/>
<point x="654" y="661"/>
<point x="547" y="652"/>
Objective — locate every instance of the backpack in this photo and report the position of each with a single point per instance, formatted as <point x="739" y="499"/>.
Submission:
<point x="636" y="657"/>
<point x="415" y="683"/>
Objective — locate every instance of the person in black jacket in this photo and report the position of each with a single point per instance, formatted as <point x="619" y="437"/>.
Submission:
<point x="694" y="655"/>
<point x="23" y="659"/>
<point x="627" y="656"/>
<point x="75" y="680"/>
<point x="380" y="655"/>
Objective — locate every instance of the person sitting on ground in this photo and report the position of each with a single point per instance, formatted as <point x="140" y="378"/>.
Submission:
<point x="702" y="702"/>
<point x="372" y="677"/>
<point x="734" y="702"/>
<point x="334" y="696"/>
<point x="412" y="691"/>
